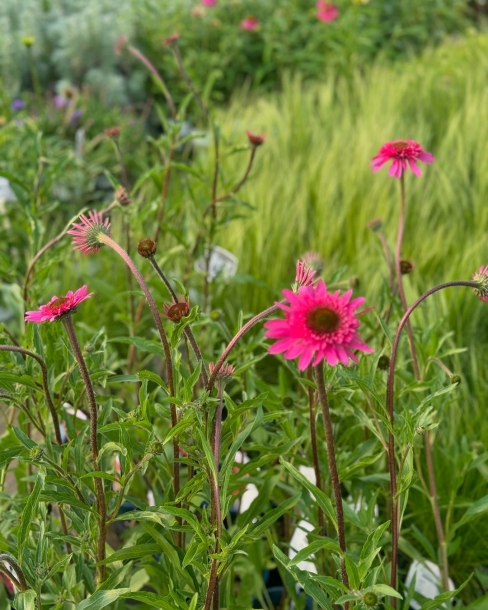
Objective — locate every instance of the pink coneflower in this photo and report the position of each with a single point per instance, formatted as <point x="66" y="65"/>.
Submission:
<point x="318" y="325"/>
<point x="209" y="2"/>
<point x="403" y="153"/>
<point x="58" y="308"/>
<point x="86" y="232"/>
<point x="326" y="11"/>
<point x="304" y="275"/>
<point x="250" y="23"/>
<point x="481" y="277"/>
<point x="224" y="374"/>
<point x="176" y="311"/>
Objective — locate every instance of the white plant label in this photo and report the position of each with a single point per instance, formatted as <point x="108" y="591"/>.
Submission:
<point x="221" y="261"/>
<point x="428" y="581"/>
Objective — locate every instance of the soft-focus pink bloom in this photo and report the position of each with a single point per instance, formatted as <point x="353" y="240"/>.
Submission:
<point x="318" y="325"/>
<point x="86" y="232"/>
<point x="403" y="153"/>
<point x="326" y="11"/>
<point x="481" y="277"/>
<point x="58" y="307"/>
<point x="255" y="139"/>
<point x="209" y="2"/>
<point x="304" y="275"/>
<point x="250" y="23"/>
<point x="173" y="38"/>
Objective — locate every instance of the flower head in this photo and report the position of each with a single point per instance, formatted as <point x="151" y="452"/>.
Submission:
<point x="224" y="374"/>
<point x="304" y="275"/>
<point x="147" y="248"/>
<point x="176" y="311"/>
<point x="87" y="231"/>
<point x="209" y="2"/>
<point x="314" y="260"/>
<point x="250" y="23"/>
<point x="318" y="325"/>
<point x="122" y="196"/>
<point x="481" y="277"/>
<point x="326" y="12"/>
<point x="255" y="139"/>
<point x="112" y="132"/>
<point x="403" y="153"/>
<point x="58" y="308"/>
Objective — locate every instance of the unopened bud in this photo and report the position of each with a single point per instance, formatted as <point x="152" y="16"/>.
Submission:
<point x="224" y="374"/>
<point x="406" y="267"/>
<point x="176" y="311"/>
<point x="35" y="454"/>
<point x="370" y="599"/>
<point x="287" y="402"/>
<point x="215" y="315"/>
<point x="375" y="225"/>
<point x="455" y="379"/>
<point x="171" y="39"/>
<point x="383" y="363"/>
<point x="255" y="139"/>
<point x="122" y="196"/>
<point x="420" y="430"/>
<point x="156" y="447"/>
<point x="481" y="278"/>
<point x="28" y="41"/>
<point x="147" y="248"/>
<point x="89" y="348"/>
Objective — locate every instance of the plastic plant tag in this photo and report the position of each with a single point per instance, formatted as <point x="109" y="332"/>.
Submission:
<point x="6" y="193"/>
<point x="221" y="262"/>
<point x="298" y="542"/>
<point x="427" y="581"/>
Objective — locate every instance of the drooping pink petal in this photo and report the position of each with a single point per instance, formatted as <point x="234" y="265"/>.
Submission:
<point x="403" y="154"/>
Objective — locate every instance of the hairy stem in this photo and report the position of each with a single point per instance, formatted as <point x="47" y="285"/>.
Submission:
<point x="390" y="394"/>
<point x="164" y="340"/>
<point x="100" y="493"/>
<point x="315" y="455"/>
<point x="329" y="437"/>
<point x="233" y="342"/>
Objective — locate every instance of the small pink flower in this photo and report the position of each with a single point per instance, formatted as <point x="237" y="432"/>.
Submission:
<point x="86" y="232"/>
<point x="225" y="372"/>
<point x="403" y="153"/>
<point x="209" y="2"/>
<point x="304" y="275"/>
<point x="481" y="277"/>
<point x="318" y="325"/>
<point x="57" y="308"/>
<point x="250" y="23"/>
<point x="326" y="11"/>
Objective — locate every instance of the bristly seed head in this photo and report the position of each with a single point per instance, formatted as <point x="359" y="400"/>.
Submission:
<point x="176" y="311"/>
<point x="481" y="277"/>
<point x="147" y="248"/>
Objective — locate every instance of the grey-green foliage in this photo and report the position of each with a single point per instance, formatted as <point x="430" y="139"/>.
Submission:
<point x="73" y="40"/>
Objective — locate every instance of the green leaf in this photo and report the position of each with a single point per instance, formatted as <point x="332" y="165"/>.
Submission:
<point x="268" y="520"/>
<point x="132" y="552"/>
<point x="30" y="510"/>
<point x="100" y="599"/>
<point x="22" y="379"/>
<point x="23" y="438"/>
<point x="25" y="601"/>
<point x="476" y="509"/>
<point x="384" y="590"/>
<point x="439" y="600"/>
<point x="151" y="599"/>
<point x="304" y="579"/>
<point x="322" y="499"/>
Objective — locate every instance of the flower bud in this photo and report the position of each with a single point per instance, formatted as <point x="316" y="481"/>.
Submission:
<point x="383" y="363"/>
<point x="112" y="132"/>
<point x="122" y="196"/>
<point x="156" y="447"/>
<point x="287" y="402"/>
<point x="36" y="454"/>
<point x="171" y="39"/>
<point x="176" y="311"/>
<point x="28" y="41"/>
<point x="224" y="375"/>
<point x="406" y="267"/>
<point x="254" y="139"/>
<point x="89" y="348"/>
<point x="147" y="248"/>
<point x="455" y="379"/>
<point x="370" y="599"/>
<point x="481" y="277"/>
<point x="375" y="225"/>
<point x="215" y="315"/>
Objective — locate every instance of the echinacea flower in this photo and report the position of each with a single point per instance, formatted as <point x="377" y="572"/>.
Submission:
<point x="326" y="12"/>
<point x="86" y="232"/>
<point x="304" y="275"/>
<point x="250" y="23"/>
<point x="209" y="2"/>
<point x="58" y="307"/>
<point x="481" y="277"/>
<point x="403" y="153"/>
<point x="318" y="325"/>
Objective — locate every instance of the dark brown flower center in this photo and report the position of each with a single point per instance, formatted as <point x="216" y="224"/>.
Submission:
<point x="323" y="320"/>
<point x="58" y="302"/>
